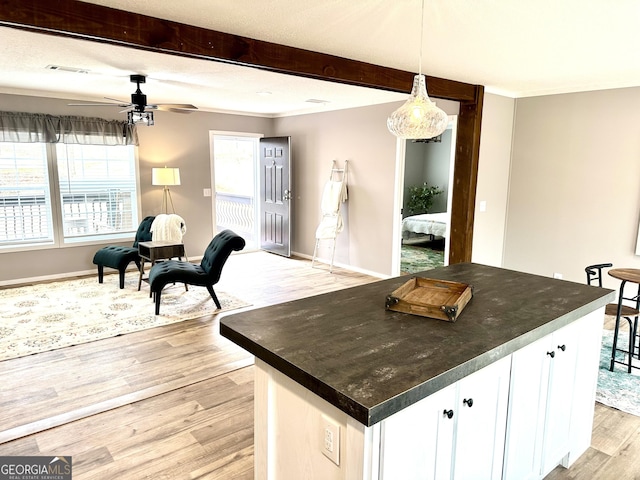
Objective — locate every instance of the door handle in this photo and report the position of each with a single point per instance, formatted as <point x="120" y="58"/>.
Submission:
<point x="287" y="195"/>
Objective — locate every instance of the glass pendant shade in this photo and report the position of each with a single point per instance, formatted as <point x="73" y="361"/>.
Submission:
<point x="419" y="117"/>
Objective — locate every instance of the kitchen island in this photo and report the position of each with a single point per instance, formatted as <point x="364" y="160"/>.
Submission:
<point x="345" y="389"/>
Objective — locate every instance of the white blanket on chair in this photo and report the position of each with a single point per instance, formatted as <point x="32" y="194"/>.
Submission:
<point x="168" y="228"/>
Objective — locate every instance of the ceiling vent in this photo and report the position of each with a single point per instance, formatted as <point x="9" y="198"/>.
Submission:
<point x="66" y="69"/>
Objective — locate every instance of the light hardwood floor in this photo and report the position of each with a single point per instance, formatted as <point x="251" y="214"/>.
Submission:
<point x="173" y="402"/>
<point x="176" y="402"/>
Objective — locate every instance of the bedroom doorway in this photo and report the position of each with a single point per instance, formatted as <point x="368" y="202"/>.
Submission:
<point x="424" y="187"/>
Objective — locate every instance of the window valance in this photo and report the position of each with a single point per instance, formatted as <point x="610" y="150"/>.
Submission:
<point x="42" y="128"/>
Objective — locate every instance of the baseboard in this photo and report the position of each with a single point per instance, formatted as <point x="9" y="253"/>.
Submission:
<point x="342" y="265"/>
<point x="49" y="278"/>
<point x="82" y="273"/>
<point x="63" y="276"/>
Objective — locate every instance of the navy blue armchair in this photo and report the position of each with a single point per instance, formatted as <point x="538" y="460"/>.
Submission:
<point x="207" y="274"/>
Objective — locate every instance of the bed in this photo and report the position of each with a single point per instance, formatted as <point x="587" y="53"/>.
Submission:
<point x="433" y="224"/>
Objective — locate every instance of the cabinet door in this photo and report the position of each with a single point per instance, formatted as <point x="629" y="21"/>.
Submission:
<point x="480" y="431"/>
<point x="541" y="399"/>
<point x="584" y="394"/>
<point x="560" y="396"/>
<point x="527" y="407"/>
<point x="417" y="441"/>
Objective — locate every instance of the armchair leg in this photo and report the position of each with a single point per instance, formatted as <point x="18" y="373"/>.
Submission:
<point x="122" y="277"/>
<point x="215" y="298"/>
<point x="100" y="273"/>
<point x="157" y="297"/>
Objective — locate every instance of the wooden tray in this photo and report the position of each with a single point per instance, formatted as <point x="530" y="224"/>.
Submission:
<point x="441" y="299"/>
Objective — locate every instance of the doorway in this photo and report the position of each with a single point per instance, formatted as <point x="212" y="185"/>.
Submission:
<point x="424" y="191"/>
<point x="234" y="170"/>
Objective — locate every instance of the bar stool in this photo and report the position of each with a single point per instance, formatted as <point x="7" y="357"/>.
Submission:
<point x="618" y="310"/>
<point x="626" y="275"/>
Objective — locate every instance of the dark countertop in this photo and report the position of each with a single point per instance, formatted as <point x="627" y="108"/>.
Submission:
<point x="371" y="363"/>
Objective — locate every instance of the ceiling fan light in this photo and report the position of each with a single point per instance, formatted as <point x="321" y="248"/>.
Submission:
<point x="143" y="118"/>
<point x="418" y="117"/>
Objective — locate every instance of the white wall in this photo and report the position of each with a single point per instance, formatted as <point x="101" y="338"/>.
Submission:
<point x="574" y="197"/>
<point x="361" y="136"/>
<point x="493" y="179"/>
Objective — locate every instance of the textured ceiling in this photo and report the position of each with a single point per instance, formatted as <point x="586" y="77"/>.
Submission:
<point x="516" y="48"/>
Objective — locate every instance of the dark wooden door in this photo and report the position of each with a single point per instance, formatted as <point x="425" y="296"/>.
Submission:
<point x="275" y="195"/>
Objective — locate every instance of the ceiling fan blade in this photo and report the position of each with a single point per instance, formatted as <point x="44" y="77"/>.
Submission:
<point x="178" y="105"/>
<point x="176" y="110"/>
<point x="174" y="107"/>
<point x="92" y="105"/>
<point x="118" y="101"/>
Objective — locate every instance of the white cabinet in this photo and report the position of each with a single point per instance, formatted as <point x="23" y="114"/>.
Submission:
<point x="456" y="433"/>
<point x="551" y="399"/>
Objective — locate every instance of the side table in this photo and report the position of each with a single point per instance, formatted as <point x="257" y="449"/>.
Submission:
<point x="154" y="251"/>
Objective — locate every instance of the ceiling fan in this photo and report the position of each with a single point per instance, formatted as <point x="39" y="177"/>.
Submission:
<point x="138" y="110"/>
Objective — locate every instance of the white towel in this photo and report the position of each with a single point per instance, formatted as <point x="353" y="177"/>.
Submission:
<point x="169" y="228"/>
<point x="330" y="226"/>
<point x="334" y="193"/>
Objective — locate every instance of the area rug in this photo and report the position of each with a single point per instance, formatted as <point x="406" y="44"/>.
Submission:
<point x="54" y="315"/>
<point x="617" y="389"/>
<point x="416" y="259"/>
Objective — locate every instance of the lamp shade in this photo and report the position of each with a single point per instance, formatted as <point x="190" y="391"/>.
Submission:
<point x="165" y="176"/>
<point x="418" y="118"/>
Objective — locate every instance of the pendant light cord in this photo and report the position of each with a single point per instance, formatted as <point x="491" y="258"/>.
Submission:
<point x="421" y="38"/>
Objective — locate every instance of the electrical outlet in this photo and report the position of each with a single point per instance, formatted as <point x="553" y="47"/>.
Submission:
<point x="330" y="441"/>
<point x="558" y="276"/>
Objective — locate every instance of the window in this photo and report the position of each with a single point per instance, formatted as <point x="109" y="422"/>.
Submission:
<point x="66" y="193"/>
<point x="97" y="189"/>
<point x="25" y="201"/>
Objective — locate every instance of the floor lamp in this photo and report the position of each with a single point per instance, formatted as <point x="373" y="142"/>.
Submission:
<point x="166" y="177"/>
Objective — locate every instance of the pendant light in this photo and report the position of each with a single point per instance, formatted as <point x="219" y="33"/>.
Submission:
<point x="419" y="117"/>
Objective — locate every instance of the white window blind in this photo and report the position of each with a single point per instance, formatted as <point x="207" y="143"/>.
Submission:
<point x="25" y="200"/>
<point x="98" y="189"/>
